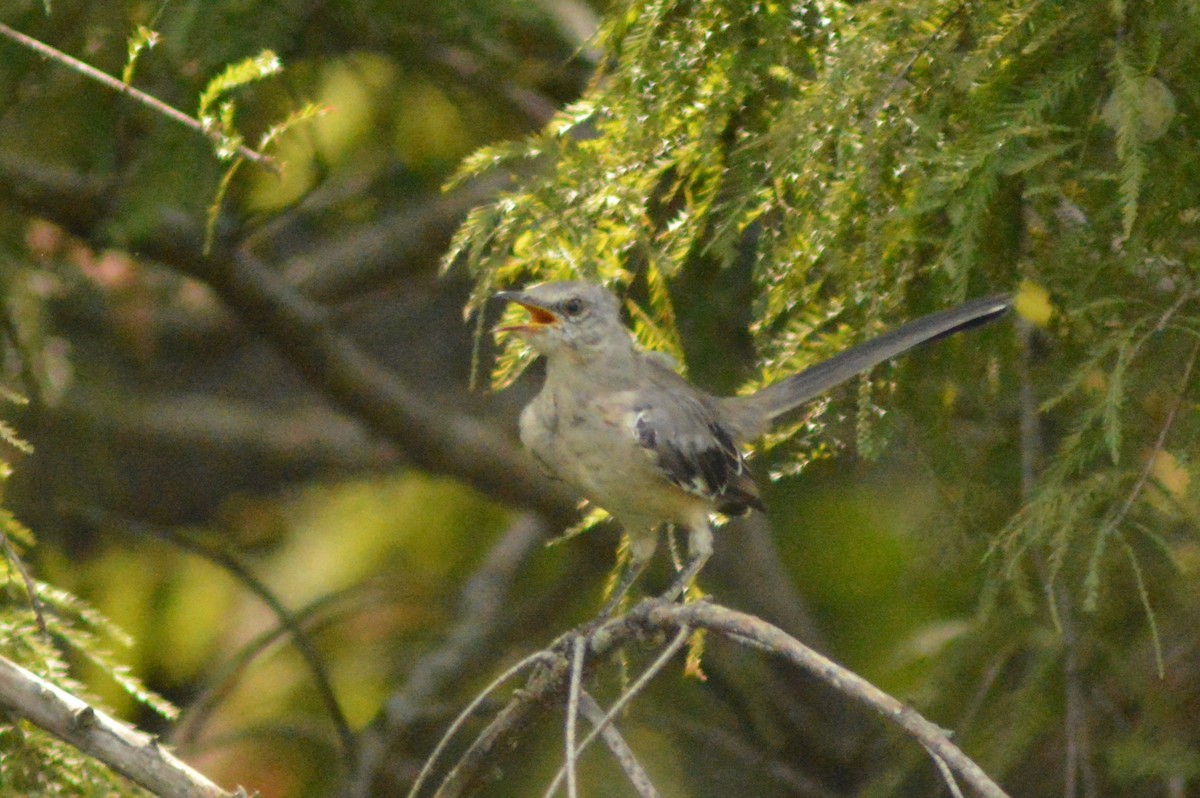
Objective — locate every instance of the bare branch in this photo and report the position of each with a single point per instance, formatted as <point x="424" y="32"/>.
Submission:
<point x="327" y="609"/>
<point x="307" y="438"/>
<point x="628" y="695"/>
<point x="528" y="662"/>
<point x="655" y="616"/>
<point x="618" y="747"/>
<point x="31" y="589"/>
<point x="131" y="753"/>
<point x="751" y="758"/>
<point x="736" y="624"/>
<point x="434" y="438"/>
<point x="946" y="774"/>
<point x="572" y="715"/>
<point x="232" y="565"/>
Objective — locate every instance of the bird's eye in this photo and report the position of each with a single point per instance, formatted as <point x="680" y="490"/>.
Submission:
<point x="573" y="306"/>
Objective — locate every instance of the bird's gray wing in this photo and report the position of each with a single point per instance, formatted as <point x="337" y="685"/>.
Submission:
<point x="678" y="427"/>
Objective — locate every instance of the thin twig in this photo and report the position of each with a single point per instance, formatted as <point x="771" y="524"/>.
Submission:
<point x="946" y="774"/>
<point x="653" y="670"/>
<point x="903" y="74"/>
<point x="31" y="588"/>
<point x="467" y="711"/>
<point x="618" y="747"/>
<point x="326" y="609"/>
<point x="103" y="78"/>
<point x="751" y="759"/>
<point x="481" y="605"/>
<point x="1159" y="443"/>
<point x="579" y="646"/>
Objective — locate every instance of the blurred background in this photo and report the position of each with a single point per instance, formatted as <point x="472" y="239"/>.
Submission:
<point x="206" y="474"/>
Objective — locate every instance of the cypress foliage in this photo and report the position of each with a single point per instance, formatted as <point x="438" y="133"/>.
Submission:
<point x="859" y="162"/>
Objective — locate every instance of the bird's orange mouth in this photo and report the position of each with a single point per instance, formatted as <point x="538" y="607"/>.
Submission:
<point x="539" y="317"/>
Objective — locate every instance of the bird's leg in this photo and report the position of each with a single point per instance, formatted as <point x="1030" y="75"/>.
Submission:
<point x="632" y="571"/>
<point x="700" y="548"/>
<point x="641" y="550"/>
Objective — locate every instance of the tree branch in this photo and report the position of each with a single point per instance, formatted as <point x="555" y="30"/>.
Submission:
<point x="740" y="626"/>
<point x="231" y="564"/>
<point x="433" y="437"/>
<point x="131" y="753"/>
<point x="549" y="682"/>
<point x="616" y="744"/>
<point x="108" y="81"/>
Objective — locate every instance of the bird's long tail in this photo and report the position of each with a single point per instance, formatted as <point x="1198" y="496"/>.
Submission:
<point x="754" y="414"/>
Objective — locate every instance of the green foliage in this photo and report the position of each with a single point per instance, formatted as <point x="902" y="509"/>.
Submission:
<point x="142" y="39"/>
<point x="219" y="117"/>
<point x="859" y="158"/>
<point x="879" y="147"/>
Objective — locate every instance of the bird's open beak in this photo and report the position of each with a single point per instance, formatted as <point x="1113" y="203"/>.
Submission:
<point x="540" y="316"/>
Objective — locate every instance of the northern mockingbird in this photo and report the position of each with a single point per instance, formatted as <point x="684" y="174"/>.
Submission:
<point x="620" y="426"/>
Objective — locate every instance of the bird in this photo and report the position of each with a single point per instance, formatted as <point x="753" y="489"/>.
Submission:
<point x="619" y="425"/>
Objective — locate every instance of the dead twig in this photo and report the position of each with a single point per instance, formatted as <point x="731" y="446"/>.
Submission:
<point x="626" y="697"/>
<point x="618" y="747"/>
<point x="550" y="682"/>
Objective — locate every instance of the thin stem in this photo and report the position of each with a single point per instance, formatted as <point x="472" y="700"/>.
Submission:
<point x="467" y="711"/>
<point x="578" y="648"/>
<point x="620" y="704"/>
<point x="103" y="78"/>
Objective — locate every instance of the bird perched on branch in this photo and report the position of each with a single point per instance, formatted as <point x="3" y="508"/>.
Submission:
<point x="620" y="426"/>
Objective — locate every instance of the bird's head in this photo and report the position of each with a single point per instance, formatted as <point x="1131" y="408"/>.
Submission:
<point x="577" y="318"/>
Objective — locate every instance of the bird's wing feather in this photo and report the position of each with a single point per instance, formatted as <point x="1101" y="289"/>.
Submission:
<point x="690" y="446"/>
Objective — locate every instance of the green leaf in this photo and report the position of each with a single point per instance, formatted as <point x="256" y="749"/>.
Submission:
<point x="234" y="76"/>
<point x="143" y="38"/>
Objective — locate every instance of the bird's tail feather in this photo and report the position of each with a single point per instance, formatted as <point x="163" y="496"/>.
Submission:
<point x="754" y="414"/>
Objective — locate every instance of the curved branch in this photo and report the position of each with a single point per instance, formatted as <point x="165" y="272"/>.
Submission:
<point x="549" y="683"/>
<point x="435" y="439"/>
<point x="131" y="753"/>
<point x="481" y="605"/>
<point x="740" y="627"/>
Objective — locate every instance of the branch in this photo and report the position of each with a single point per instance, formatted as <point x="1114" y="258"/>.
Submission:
<point x="326" y="610"/>
<point x="305" y="440"/>
<point x="108" y="81"/>
<point x="433" y="437"/>
<point x="616" y="744"/>
<point x="655" y="668"/>
<point x="364" y="257"/>
<point x="233" y="566"/>
<point x="647" y="620"/>
<point x="741" y="627"/>
<point x="436" y="439"/>
<point x="136" y="755"/>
